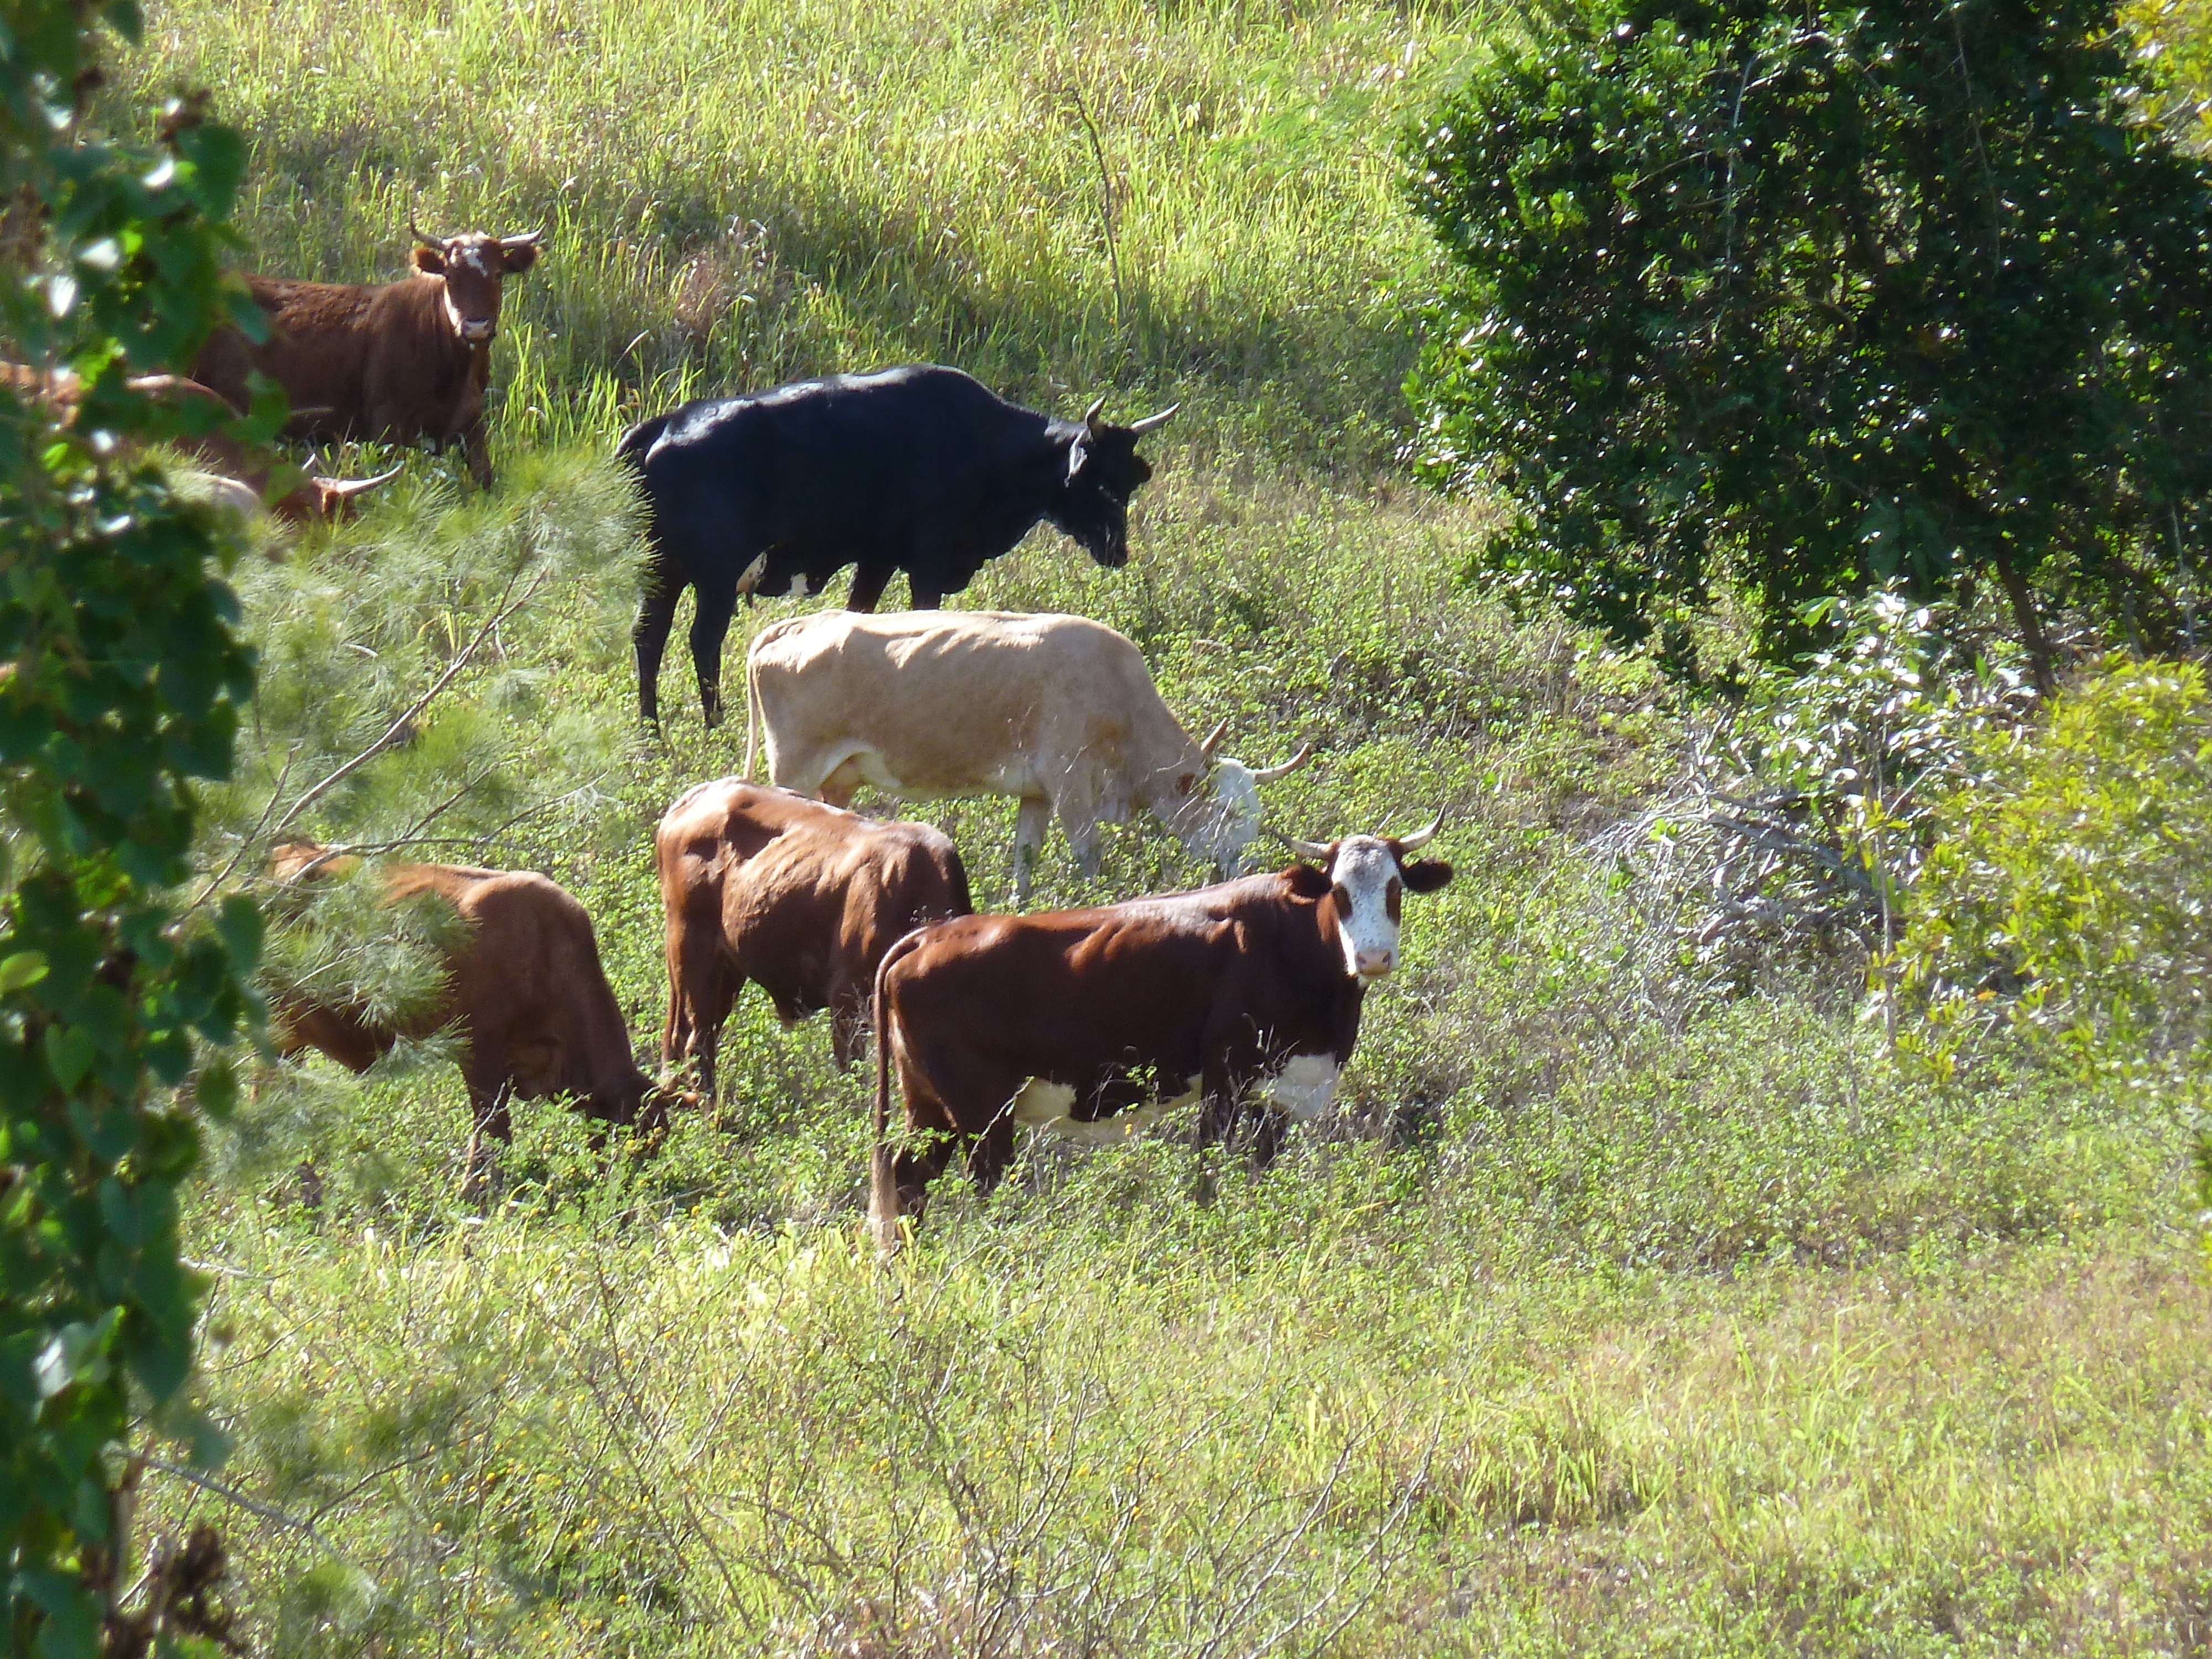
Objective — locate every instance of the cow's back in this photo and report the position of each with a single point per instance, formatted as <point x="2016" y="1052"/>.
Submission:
<point x="529" y="978"/>
<point x="791" y="880"/>
<point x="317" y="345"/>
<point x="367" y="360"/>
<point x="945" y="702"/>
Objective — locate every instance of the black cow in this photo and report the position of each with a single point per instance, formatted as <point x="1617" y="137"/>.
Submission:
<point x="919" y="468"/>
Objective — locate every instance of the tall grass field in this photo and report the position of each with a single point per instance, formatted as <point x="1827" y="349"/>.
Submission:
<point x="1618" y="1311"/>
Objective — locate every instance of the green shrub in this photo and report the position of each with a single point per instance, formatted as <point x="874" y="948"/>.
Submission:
<point x="2070" y="889"/>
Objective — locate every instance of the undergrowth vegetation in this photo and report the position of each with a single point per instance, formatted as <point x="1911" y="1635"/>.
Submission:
<point x="1644" y="1297"/>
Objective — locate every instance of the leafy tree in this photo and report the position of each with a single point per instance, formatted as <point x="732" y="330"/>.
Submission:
<point x="1807" y="298"/>
<point x="120" y="678"/>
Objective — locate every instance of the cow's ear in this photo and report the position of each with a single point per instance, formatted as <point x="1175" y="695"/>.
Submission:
<point x="429" y="261"/>
<point x="1424" y="875"/>
<point x="1078" y="454"/>
<point x="1186" y="783"/>
<point x="519" y="259"/>
<point x="1306" y="882"/>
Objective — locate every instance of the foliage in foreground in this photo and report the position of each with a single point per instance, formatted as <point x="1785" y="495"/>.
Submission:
<point x="1799" y="301"/>
<point x="121" y="685"/>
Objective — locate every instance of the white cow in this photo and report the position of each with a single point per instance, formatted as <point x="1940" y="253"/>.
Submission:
<point x="1060" y="712"/>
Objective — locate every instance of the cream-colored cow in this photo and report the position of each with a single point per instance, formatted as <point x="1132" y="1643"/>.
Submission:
<point x="1060" y="712"/>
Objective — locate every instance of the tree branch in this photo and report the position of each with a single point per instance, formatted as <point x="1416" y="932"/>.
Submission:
<point x="400" y="727"/>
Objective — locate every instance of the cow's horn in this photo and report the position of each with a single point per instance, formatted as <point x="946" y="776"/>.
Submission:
<point x="1206" y="749"/>
<point x="528" y="238"/>
<point x="1154" y="422"/>
<point x="346" y="489"/>
<point x="1090" y="416"/>
<point x="1269" y="774"/>
<point x="1308" y="849"/>
<point x="1422" y="837"/>
<point x="427" y="241"/>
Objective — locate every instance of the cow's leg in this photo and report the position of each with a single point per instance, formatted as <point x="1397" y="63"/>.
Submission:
<point x="1031" y="823"/>
<point x="992" y="1154"/>
<point x="656" y="614"/>
<point x="488" y="1108"/>
<point x="702" y="990"/>
<point x="848" y="1024"/>
<point x="1231" y="1045"/>
<point x="710" y="624"/>
<point x="922" y="594"/>
<point x="869" y="581"/>
<point x="912" y="1168"/>
<point x="1268" y="1122"/>
<point x="1089" y="849"/>
<point x="475" y="449"/>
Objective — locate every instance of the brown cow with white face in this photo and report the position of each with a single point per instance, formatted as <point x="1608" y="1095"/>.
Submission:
<point x="1244" y="996"/>
<point x="407" y="362"/>
<point x="799" y="898"/>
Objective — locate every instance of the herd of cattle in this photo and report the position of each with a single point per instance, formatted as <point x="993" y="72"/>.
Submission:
<point x="1244" y="996"/>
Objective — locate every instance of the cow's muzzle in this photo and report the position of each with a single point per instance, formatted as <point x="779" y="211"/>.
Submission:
<point x="476" y="330"/>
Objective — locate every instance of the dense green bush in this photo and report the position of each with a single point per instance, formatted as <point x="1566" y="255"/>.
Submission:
<point x="1802" y="299"/>
<point x="2071" y="888"/>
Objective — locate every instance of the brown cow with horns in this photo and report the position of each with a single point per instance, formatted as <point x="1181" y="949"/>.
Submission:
<point x="1245" y="995"/>
<point x="801" y="898"/>
<point x="407" y="362"/>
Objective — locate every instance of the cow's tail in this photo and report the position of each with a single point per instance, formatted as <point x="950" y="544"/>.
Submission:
<point x="774" y="630"/>
<point x="883" y="1175"/>
<point x="752" y="705"/>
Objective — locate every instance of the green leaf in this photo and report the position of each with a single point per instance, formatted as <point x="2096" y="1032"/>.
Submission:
<point x="21" y="970"/>
<point x="70" y="1051"/>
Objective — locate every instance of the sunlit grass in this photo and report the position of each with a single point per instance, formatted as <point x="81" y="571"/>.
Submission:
<point x="1610" y="1318"/>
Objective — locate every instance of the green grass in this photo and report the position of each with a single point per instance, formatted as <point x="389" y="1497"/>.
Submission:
<point x="1608" y="1317"/>
<point x="744" y="193"/>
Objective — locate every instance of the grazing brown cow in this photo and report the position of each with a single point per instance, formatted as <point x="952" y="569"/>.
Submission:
<point x="801" y="898"/>
<point x="408" y="362"/>
<point x="1244" y="996"/>
<point x="524" y="993"/>
<point x="241" y="474"/>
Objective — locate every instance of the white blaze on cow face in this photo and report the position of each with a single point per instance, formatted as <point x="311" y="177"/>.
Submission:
<point x="1368" y="893"/>
<point x="753" y="574"/>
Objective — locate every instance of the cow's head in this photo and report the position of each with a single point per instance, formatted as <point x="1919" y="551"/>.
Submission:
<point x="1368" y="877"/>
<point x="1104" y="470"/>
<point x="473" y="265"/>
<point x="1216" y="805"/>
<point x="326" y="501"/>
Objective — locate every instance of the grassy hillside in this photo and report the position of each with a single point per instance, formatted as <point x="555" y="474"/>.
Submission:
<point x="1615" y="1315"/>
<point x="744" y="193"/>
